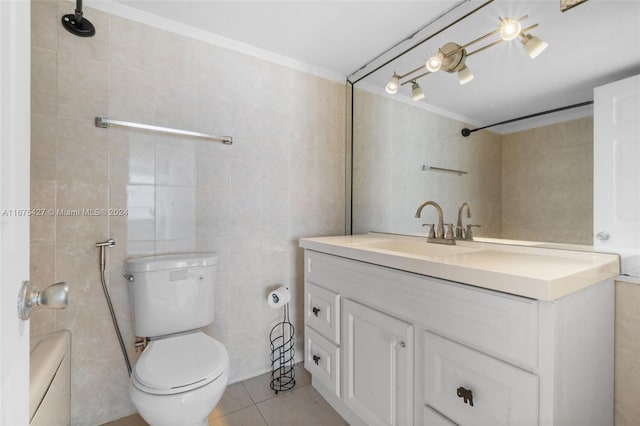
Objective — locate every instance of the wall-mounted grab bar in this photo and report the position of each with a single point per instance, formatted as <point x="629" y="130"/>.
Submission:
<point x="424" y="168"/>
<point x="105" y="122"/>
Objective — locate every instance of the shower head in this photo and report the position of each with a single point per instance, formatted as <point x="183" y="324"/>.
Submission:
<point x="78" y="25"/>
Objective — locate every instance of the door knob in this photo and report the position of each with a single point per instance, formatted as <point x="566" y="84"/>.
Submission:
<point x="603" y="236"/>
<point x="56" y="296"/>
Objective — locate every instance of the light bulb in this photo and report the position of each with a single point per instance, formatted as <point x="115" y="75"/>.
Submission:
<point x="392" y="85"/>
<point x="533" y="45"/>
<point x="509" y="29"/>
<point x="416" y="92"/>
<point x="465" y="75"/>
<point x="435" y="62"/>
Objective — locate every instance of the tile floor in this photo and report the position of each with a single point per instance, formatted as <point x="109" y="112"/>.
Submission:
<point x="253" y="403"/>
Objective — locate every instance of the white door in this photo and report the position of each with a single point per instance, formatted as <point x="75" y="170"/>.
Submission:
<point x="378" y="365"/>
<point x="616" y="195"/>
<point x="15" y="70"/>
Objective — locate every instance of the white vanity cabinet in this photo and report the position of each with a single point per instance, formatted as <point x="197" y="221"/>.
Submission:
<point x="410" y="349"/>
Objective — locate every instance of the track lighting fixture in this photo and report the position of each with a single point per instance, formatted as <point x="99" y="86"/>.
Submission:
<point x="435" y="62"/>
<point x="416" y="92"/>
<point x="452" y="57"/>
<point x="465" y="75"/>
<point x="533" y="45"/>
<point x="393" y="85"/>
<point x="509" y="28"/>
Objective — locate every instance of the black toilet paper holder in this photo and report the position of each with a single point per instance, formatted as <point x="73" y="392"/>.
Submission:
<point x="282" y="353"/>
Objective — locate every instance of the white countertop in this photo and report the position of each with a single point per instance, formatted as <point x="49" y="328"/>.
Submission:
<point x="535" y="272"/>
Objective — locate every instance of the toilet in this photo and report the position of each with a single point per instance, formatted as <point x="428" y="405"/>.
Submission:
<point x="182" y="374"/>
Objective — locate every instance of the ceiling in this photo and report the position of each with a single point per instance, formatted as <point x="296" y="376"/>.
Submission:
<point x="589" y="45"/>
<point x="335" y="35"/>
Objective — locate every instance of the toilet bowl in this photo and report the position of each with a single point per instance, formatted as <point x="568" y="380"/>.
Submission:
<point x="182" y="373"/>
<point x="179" y="380"/>
<point x="189" y="408"/>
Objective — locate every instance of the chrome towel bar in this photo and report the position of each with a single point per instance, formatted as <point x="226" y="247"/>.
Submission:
<point x="105" y="122"/>
<point x="424" y="167"/>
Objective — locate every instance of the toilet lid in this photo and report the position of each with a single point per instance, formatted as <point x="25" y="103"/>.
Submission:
<point x="180" y="363"/>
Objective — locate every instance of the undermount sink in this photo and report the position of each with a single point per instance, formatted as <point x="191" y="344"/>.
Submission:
<point x="420" y="248"/>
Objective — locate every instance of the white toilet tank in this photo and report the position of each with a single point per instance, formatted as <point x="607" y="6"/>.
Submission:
<point x="172" y="293"/>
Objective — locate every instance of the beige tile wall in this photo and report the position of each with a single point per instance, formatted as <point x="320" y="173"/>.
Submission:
<point x="547" y="183"/>
<point x="392" y="140"/>
<point x="627" y="354"/>
<point x="283" y="178"/>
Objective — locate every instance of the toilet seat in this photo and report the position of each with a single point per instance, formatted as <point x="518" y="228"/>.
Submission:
<point x="179" y="364"/>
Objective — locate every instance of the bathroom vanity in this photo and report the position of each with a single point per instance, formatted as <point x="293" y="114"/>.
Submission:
<point x="401" y="332"/>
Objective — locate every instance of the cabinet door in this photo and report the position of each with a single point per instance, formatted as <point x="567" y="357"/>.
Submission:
<point x="378" y="365"/>
<point x="616" y="173"/>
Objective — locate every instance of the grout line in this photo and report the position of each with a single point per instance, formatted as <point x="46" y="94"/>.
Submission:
<point x="239" y="409"/>
<point x="247" y="391"/>
<point x="261" y="416"/>
<point x="253" y="400"/>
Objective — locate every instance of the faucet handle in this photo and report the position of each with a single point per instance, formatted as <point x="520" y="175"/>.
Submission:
<point x="469" y="235"/>
<point x="432" y="232"/>
<point x="450" y="235"/>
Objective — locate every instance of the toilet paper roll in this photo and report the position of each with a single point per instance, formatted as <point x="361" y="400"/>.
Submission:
<point x="279" y="297"/>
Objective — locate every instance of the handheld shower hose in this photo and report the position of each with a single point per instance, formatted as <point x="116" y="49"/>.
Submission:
<point x="106" y="244"/>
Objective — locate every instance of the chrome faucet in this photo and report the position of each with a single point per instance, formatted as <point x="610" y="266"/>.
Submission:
<point x="439" y="235"/>
<point x="460" y="234"/>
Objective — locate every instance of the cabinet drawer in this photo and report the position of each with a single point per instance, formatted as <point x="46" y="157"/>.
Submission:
<point x="322" y="311"/>
<point x="322" y="359"/>
<point x="501" y="393"/>
<point x="431" y="417"/>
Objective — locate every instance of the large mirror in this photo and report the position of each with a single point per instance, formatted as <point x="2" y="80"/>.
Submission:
<point x="531" y="179"/>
